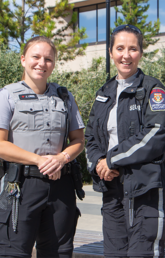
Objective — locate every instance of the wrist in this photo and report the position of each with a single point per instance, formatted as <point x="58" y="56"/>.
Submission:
<point x="98" y="161"/>
<point x="67" y="156"/>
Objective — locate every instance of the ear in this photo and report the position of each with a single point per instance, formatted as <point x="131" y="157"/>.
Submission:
<point x="23" y="60"/>
<point x="111" y="56"/>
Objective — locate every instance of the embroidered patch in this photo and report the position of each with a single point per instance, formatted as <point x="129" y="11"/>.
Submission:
<point x="101" y="98"/>
<point x="157" y="99"/>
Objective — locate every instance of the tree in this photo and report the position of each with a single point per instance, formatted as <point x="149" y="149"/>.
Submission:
<point x="35" y="17"/>
<point x="134" y="14"/>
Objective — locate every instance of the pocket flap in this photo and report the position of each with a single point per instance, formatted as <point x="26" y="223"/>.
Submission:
<point x="151" y="212"/>
<point x="29" y="107"/>
<point x="59" y="107"/>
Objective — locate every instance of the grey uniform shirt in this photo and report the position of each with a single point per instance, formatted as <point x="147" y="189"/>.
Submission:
<point x="7" y="106"/>
<point x="112" y="120"/>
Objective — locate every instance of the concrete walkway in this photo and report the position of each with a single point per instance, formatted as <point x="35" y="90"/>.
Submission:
<point x="90" y="208"/>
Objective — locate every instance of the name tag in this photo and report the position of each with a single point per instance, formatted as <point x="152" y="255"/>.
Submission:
<point x="28" y="96"/>
<point x="101" y="98"/>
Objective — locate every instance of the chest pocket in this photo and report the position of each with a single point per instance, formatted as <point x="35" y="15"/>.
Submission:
<point x="28" y="116"/>
<point x="58" y="116"/>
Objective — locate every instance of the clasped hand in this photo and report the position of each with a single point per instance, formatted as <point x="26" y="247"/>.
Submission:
<point x="104" y="172"/>
<point x="52" y="166"/>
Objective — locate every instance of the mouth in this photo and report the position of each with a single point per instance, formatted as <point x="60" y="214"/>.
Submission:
<point x="40" y="70"/>
<point x="124" y="63"/>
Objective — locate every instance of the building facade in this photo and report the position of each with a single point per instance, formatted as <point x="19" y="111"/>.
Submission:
<point x="92" y="16"/>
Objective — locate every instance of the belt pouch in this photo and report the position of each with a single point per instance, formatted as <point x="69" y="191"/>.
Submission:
<point x="14" y="172"/>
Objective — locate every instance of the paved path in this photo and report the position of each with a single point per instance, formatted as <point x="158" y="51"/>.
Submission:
<point x="90" y="208"/>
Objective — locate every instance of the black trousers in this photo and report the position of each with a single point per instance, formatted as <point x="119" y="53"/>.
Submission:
<point x="47" y="215"/>
<point x="145" y="235"/>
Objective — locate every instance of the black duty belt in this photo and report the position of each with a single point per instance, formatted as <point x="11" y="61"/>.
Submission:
<point x="32" y="170"/>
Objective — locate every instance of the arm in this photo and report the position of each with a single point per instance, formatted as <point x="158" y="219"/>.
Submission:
<point x="12" y="153"/>
<point x="93" y="152"/>
<point x="148" y="144"/>
<point x="56" y="162"/>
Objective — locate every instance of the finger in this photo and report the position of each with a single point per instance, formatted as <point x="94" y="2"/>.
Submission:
<point x="109" y="178"/>
<point x="116" y="172"/>
<point x="53" y="171"/>
<point x="98" y="171"/>
<point x="50" y="169"/>
<point x="54" y="177"/>
<point x="102" y="174"/>
<point x="44" y="164"/>
<point x="59" y="174"/>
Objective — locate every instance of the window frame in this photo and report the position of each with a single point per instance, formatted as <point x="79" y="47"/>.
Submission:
<point x="113" y="3"/>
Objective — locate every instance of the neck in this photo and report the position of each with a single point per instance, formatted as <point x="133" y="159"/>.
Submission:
<point x="39" y="87"/>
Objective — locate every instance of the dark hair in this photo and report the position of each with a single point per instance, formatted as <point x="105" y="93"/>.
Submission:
<point x="38" y="39"/>
<point x="130" y="29"/>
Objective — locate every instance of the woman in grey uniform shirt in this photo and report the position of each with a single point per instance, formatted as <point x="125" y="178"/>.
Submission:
<point x="32" y="131"/>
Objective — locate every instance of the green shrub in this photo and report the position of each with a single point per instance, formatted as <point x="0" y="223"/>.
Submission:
<point x="10" y="67"/>
<point x="155" y="66"/>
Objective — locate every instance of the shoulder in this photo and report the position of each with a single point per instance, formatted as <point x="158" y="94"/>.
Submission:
<point x="4" y="93"/>
<point x="151" y="82"/>
<point x="14" y="86"/>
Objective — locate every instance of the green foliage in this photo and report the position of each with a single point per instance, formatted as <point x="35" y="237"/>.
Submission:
<point x="134" y="14"/>
<point x="33" y="16"/>
<point x="155" y="67"/>
<point x="10" y="67"/>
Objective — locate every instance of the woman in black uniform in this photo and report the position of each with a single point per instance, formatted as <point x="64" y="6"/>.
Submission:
<point x="125" y="152"/>
<point x="32" y="132"/>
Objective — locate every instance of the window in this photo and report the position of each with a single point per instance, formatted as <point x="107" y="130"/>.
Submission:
<point x="101" y="23"/>
<point x="87" y="19"/>
<point x="162" y="15"/>
<point x="93" y="18"/>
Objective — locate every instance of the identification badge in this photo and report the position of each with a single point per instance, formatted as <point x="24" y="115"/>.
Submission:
<point x="157" y="99"/>
<point x="27" y="96"/>
<point x="101" y="98"/>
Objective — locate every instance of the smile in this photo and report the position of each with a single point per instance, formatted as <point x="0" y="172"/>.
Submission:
<point x="42" y="71"/>
<point x="125" y="63"/>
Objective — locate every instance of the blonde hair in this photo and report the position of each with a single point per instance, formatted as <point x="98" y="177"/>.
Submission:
<point x="38" y="39"/>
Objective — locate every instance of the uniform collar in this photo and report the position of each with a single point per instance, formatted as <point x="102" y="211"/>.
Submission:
<point x="46" y="91"/>
<point x="126" y="82"/>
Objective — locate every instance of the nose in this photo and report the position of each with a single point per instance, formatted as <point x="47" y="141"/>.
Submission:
<point x="126" y="53"/>
<point x="42" y="61"/>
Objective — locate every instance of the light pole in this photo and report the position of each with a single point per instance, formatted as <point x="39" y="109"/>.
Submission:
<point x="108" y="5"/>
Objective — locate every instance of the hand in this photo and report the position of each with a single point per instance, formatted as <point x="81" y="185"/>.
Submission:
<point x="53" y="165"/>
<point x="104" y="172"/>
<point x="55" y="176"/>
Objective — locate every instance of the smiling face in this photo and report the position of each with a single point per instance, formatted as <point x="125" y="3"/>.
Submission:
<point x="126" y="54"/>
<point x="39" y="62"/>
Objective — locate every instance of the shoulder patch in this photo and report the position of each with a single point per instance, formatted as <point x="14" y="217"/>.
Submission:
<point x="157" y="99"/>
